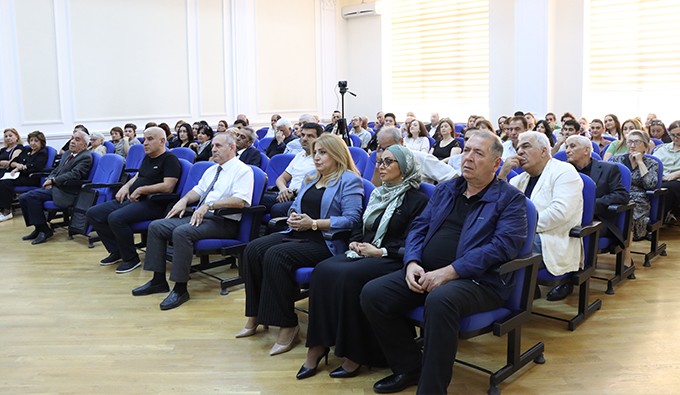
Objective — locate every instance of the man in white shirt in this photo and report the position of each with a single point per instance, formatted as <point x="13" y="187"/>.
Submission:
<point x="229" y="184"/>
<point x="431" y="169"/>
<point x="518" y="125"/>
<point x="360" y="132"/>
<point x="295" y="146"/>
<point x="290" y="180"/>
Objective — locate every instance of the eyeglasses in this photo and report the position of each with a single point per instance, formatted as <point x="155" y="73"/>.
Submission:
<point x="385" y="162"/>
<point x="675" y="135"/>
<point x="634" y="142"/>
<point x="656" y="123"/>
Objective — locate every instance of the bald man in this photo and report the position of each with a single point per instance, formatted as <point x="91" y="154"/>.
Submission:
<point x="159" y="172"/>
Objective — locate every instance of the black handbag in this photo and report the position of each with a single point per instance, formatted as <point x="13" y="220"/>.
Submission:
<point x="86" y="199"/>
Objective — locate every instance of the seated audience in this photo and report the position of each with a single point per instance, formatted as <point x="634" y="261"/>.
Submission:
<point x="597" y="135"/>
<point x="28" y="162"/>
<point x="283" y="136"/>
<point x="332" y="127"/>
<point x="244" y="146"/>
<point x="204" y="147"/>
<point x="644" y="177"/>
<point x="569" y="128"/>
<point x="185" y="137"/>
<point x="169" y="137"/>
<point x="75" y="164"/>
<point x="417" y="137"/>
<point x="13" y="146"/>
<point x="290" y="181"/>
<point x="66" y="145"/>
<point x="222" y="126"/>
<point x="379" y="122"/>
<point x="449" y="266"/>
<point x="389" y="121"/>
<point x="620" y="146"/>
<point x="120" y="143"/>
<point x="432" y="126"/>
<point x="483" y="124"/>
<point x="531" y="120"/>
<point x="243" y="118"/>
<point x="361" y="132"/>
<point x="431" y="169"/>
<point x="97" y="141"/>
<point x="330" y="199"/>
<point x="335" y="316"/>
<point x="670" y="158"/>
<point x="228" y="184"/>
<point x="516" y="126"/>
<point x="612" y="126"/>
<point x="295" y="146"/>
<point x="552" y="120"/>
<point x="657" y="130"/>
<point x="271" y="132"/>
<point x="545" y="128"/>
<point x="556" y="190"/>
<point x="447" y="145"/>
<point x="158" y="173"/>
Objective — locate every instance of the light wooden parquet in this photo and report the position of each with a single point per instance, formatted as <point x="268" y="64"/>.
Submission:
<point x="68" y="325"/>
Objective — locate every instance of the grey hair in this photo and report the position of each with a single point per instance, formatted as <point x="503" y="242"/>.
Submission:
<point x="540" y="139"/>
<point x="393" y="133"/>
<point x="496" y="148"/>
<point x="305" y="118"/>
<point x="583" y="141"/>
<point x="228" y="136"/>
<point x="85" y="136"/>
<point x="251" y="133"/>
<point x="283" y="122"/>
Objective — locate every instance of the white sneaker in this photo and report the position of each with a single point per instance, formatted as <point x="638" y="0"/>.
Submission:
<point x="5" y="217"/>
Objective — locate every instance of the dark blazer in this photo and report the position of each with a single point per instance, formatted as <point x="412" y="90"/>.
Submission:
<point x="204" y="155"/>
<point x="77" y="168"/>
<point x="609" y="190"/>
<point x="276" y="148"/>
<point x="251" y="156"/>
<point x="33" y="163"/>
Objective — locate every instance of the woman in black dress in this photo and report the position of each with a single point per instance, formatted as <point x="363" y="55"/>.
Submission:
<point x="448" y="145"/>
<point x="335" y="316"/>
<point x="29" y="161"/>
<point x="11" y="150"/>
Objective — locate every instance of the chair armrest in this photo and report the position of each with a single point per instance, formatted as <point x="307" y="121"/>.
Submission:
<point x="340" y="234"/>
<point x="619" y="208"/>
<point x="76" y="183"/>
<point x="116" y="185"/>
<point x="163" y="197"/>
<point x="278" y="224"/>
<point x="518" y="263"/>
<point x="40" y="173"/>
<point x="583" y="231"/>
<point x="130" y="170"/>
<point x="656" y="192"/>
<point x="244" y="210"/>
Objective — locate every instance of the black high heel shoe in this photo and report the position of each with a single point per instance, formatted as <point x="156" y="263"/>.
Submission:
<point x="306" y="372"/>
<point x="341" y="373"/>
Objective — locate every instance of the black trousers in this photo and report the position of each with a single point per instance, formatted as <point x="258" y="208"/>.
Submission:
<point x="269" y="265"/>
<point x="113" y="220"/>
<point x="672" y="198"/>
<point x="387" y="299"/>
<point x="32" y="206"/>
<point x="7" y="189"/>
<point x="276" y="209"/>
<point x="335" y="315"/>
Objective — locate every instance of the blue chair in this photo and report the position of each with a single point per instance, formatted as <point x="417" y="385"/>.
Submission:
<point x="589" y="233"/>
<point x="657" y="142"/>
<point x="610" y="138"/>
<point x="249" y="227"/>
<point x="369" y="168"/>
<point x="371" y="125"/>
<point x="110" y="148"/>
<point x="276" y="166"/>
<point x="656" y="211"/>
<point x="134" y="159"/>
<point x="303" y="276"/>
<point x="264" y="144"/>
<point x="432" y="140"/>
<point x="359" y="156"/>
<point x="596" y="148"/>
<point x="461" y="141"/>
<point x="459" y="127"/>
<point x="264" y="161"/>
<point x="509" y="318"/>
<point x="609" y="244"/>
<point x="261" y="132"/>
<point x="51" y="155"/>
<point x="356" y="141"/>
<point x="184" y="153"/>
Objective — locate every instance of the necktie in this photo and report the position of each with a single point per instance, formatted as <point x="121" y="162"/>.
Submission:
<point x="210" y="188"/>
<point x="69" y="158"/>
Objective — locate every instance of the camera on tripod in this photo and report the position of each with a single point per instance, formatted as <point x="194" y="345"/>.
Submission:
<point x="343" y="86"/>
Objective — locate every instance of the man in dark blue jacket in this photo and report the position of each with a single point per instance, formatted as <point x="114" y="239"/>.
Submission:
<point x="471" y="226"/>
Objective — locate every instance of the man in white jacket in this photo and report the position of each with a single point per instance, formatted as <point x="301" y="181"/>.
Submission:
<point x="555" y="188"/>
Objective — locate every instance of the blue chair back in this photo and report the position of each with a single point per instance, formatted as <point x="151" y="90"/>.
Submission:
<point x="110" y="148"/>
<point x="655" y="202"/>
<point x="359" y="156"/>
<point x="261" y="132"/>
<point x="596" y="147"/>
<point x="461" y="141"/>
<point x="356" y="141"/>
<point x="562" y="155"/>
<point x="264" y="161"/>
<point x="459" y="127"/>
<point x="369" y="168"/>
<point x="247" y="219"/>
<point x="264" y="143"/>
<point x="186" y="169"/>
<point x="427" y="189"/>
<point x="184" y="153"/>
<point x="432" y="140"/>
<point x="368" y="190"/>
<point x="195" y="174"/>
<point x="134" y="159"/>
<point x="107" y="171"/>
<point x="610" y="138"/>
<point x="657" y="142"/>
<point x="515" y="300"/>
<point x="276" y="166"/>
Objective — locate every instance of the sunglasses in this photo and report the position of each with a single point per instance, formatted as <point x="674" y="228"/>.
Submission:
<point x="387" y="162"/>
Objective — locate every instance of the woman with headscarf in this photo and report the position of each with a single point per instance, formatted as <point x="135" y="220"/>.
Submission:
<point x="335" y="316"/>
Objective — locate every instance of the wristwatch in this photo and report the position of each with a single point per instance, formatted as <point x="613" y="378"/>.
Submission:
<point x="211" y="206"/>
<point x="315" y="226"/>
<point x="384" y="251"/>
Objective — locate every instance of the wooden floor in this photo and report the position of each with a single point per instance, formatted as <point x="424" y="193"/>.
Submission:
<point x="68" y="325"/>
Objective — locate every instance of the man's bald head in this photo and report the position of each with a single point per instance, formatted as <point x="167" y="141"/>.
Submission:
<point x="154" y="141"/>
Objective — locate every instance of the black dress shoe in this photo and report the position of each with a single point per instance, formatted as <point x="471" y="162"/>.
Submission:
<point x="111" y="259"/>
<point x="306" y="372"/>
<point x="560" y="292"/>
<point x="396" y="382"/>
<point x="42" y="237"/>
<point x="149" y="288"/>
<point x="31" y="235"/>
<point x="341" y="373"/>
<point x="174" y="300"/>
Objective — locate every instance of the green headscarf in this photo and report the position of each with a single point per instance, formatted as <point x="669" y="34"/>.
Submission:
<point x="386" y="198"/>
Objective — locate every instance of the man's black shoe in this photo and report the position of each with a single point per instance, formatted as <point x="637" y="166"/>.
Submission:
<point x="174" y="300"/>
<point x="560" y="292"/>
<point x="149" y="289"/>
<point x="42" y="237"/>
<point x="111" y="259"/>
<point x="396" y="382"/>
<point x="31" y="235"/>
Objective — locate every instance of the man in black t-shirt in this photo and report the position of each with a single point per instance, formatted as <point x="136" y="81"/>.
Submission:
<point x="159" y="172"/>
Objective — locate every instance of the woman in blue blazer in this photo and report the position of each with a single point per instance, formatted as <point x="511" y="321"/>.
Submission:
<point x="329" y="200"/>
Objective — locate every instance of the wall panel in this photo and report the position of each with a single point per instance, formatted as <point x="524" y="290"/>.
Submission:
<point x="211" y="49"/>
